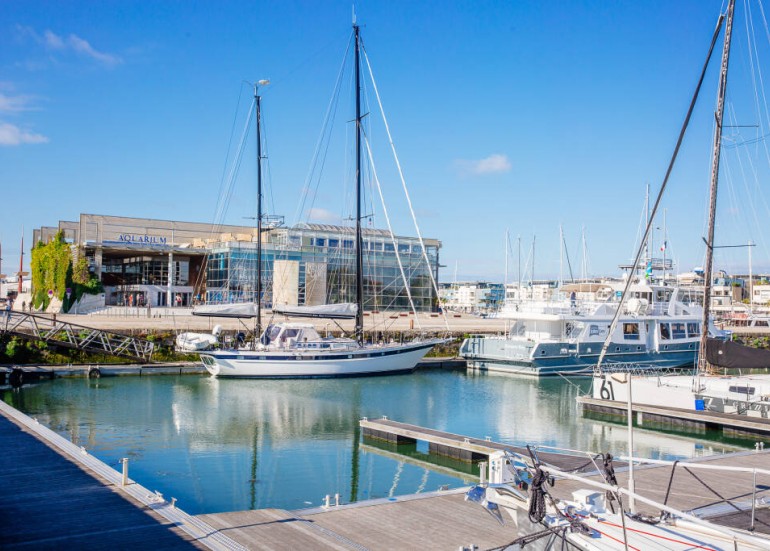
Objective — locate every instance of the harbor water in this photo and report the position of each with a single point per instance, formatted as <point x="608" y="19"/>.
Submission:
<point x="228" y="445"/>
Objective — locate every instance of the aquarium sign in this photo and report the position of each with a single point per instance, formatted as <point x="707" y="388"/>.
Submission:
<point x="142" y="239"/>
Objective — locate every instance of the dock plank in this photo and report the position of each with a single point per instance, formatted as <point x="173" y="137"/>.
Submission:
<point x="452" y="445"/>
<point x="728" y="422"/>
<point x="47" y="501"/>
<point x="440" y="520"/>
<point x="435" y="522"/>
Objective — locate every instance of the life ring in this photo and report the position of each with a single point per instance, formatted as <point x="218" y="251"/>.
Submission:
<point x="94" y="373"/>
<point x="16" y="378"/>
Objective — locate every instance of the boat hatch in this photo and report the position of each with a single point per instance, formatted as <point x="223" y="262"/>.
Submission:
<point x="749" y="390"/>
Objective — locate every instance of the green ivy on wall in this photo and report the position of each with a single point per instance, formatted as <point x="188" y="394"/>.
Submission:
<point x="53" y="270"/>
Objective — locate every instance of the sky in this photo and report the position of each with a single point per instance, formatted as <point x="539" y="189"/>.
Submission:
<point x="515" y="117"/>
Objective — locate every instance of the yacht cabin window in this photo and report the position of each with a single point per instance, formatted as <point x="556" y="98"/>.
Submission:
<point x="693" y="329"/>
<point x="270" y="334"/>
<point x="677" y="330"/>
<point x="665" y="333"/>
<point x="631" y="331"/>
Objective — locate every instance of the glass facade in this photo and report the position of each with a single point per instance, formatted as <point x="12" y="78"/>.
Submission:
<point x="144" y="270"/>
<point x="316" y="266"/>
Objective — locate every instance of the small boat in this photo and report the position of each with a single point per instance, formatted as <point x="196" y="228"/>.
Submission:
<point x="195" y="342"/>
<point x="296" y="350"/>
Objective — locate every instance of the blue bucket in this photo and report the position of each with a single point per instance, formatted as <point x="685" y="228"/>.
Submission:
<point x="700" y="405"/>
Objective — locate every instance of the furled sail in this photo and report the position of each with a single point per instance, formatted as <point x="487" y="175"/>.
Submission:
<point x="235" y="310"/>
<point x="723" y="353"/>
<point x="345" y="310"/>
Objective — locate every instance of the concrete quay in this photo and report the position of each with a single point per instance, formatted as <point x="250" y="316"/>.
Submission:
<point x="181" y="319"/>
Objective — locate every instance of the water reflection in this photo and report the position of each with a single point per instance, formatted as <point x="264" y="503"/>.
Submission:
<point x="223" y="445"/>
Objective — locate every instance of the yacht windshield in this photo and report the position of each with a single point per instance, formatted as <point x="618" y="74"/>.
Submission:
<point x="270" y="334"/>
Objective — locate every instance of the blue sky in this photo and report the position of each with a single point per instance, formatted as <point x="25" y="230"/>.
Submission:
<point x="506" y="115"/>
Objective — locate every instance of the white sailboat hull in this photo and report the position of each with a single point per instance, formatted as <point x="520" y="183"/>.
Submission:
<point x="376" y="360"/>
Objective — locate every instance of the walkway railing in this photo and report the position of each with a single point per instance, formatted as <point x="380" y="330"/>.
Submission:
<point x="79" y="337"/>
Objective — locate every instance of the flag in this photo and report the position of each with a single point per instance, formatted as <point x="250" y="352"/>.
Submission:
<point x="663" y="246"/>
<point x="648" y="270"/>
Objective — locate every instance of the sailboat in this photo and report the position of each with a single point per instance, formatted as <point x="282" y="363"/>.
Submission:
<point x="745" y="395"/>
<point x="518" y="486"/>
<point x="517" y="489"/>
<point x="294" y="349"/>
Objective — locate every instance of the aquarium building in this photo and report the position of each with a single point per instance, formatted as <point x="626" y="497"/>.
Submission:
<point x="147" y="262"/>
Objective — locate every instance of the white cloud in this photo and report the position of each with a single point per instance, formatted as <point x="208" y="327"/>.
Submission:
<point x="72" y="43"/>
<point x="13" y="104"/>
<point x="53" y="41"/>
<point x="323" y="216"/>
<point x="494" y="164"/>
<point x="83" y="47"/>
<point x="11" y="135"/>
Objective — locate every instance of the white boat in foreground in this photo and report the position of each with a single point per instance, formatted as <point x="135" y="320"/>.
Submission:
<point x="519" y="491"/>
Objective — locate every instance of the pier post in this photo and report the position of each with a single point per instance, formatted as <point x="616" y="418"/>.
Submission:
<point x="124" y="480"/>
<point x="482" y="472"/>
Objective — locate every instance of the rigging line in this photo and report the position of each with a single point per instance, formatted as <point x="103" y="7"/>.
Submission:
<point x="403" y="183"/>
<point x="390" y="229"/>
<point x="304" y="63"/>
<point x="733" y="196"/>
<point x="566" y="252"/>
<point x="331" y="110"/>
<point x="266" y="156"/>
<point x="229" y="146"/>
<point x="224" y="201"/>
<point x="766" y="119"/>
<point x="759" y="65"/>
<point x="686" y="123"/>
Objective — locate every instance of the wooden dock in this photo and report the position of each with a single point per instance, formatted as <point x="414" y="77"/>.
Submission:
<point x="460" y="447"/>
<point x="22" y="374"/>
<point x="55" y="495"/>
<point x="729" y="423"/>
<point x="439" y="520"/>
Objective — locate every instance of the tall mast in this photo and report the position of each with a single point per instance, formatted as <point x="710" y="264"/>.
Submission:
<point x="713" y="193"/>
<point x="359" y="252"/>
<point x="258" y="107"/>
<point x="518" y="294"/>
<point x="21" y="261"/>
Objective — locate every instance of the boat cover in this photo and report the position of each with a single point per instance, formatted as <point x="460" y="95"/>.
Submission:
<point x="236" y="310"/>
<point x="345" y="310"/>
<point x="723" y="353"/>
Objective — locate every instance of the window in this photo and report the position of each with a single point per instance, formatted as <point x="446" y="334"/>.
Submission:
<point x="347" y="244"/>
<point x="334" y="243"/>
<point x="677" y="330"/>
<point x="665" y="333"/>
<point x="403" y="248"/>
<point x="693" y="329"/>
<point x="320" y="242"/>
<point x="631" y="331"/>
<point x="389" y="247"/>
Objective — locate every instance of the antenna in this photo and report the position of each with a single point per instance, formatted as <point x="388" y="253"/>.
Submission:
<point x="353" y="8"/>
